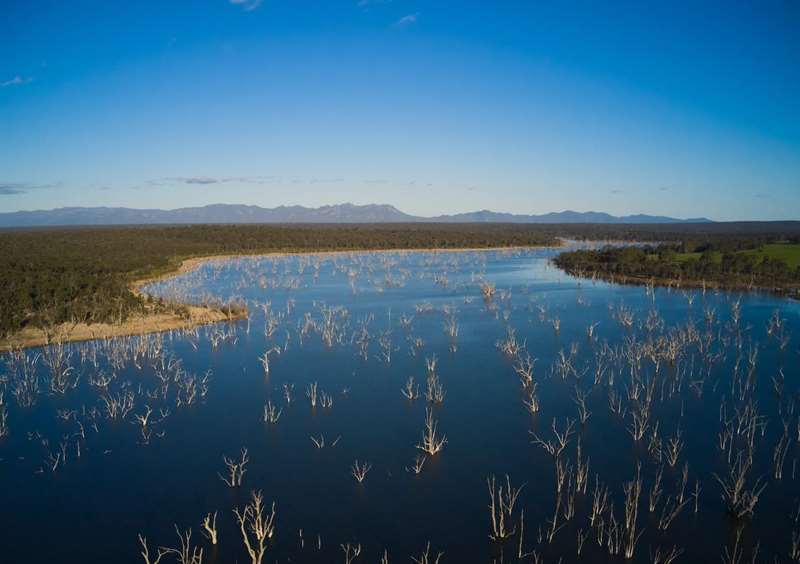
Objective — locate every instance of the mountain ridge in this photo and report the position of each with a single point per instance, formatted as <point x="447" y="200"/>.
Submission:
<point x="337" y="213"/>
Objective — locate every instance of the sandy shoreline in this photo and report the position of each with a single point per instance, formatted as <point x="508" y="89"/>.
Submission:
<point x="143" y="324"/>
<point x="136" y="325"/>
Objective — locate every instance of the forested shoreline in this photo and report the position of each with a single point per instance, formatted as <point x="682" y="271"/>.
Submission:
<point x="84" y="275"/>
<point x="52" y="276"/>
<point x="758" y="262"/>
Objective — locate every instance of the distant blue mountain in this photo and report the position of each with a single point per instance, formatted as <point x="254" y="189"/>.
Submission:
<point x="341" y="213"/>
<point x="567" y="216"/>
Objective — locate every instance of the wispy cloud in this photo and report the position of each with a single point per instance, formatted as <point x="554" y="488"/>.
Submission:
<point x="617" y="191"/>
<point x="762" y="196"/>
<point x="16" y="81"/>
<point x="315" y="180"/>
<point x="10" y="190"/>
<point x="246" y="5"/>
<point x="368" y="3"/>
<point x="207" y="180"/>
<point x="406" y="21"/>
<point x="16" y="188"/>
<point x="201" y="180"/>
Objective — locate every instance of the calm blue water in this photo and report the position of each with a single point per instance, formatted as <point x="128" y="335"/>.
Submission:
<point x="388" y="314"/>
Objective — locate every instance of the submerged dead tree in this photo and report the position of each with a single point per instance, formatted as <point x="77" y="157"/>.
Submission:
<point x="431" y="443"/>
<point x="3" y="418"/>
<point x="256" y="526"/>
<point x="186" y="553"/>
<point x="501" y="508"/>
<point x="359" y="470"/>
<point x="210" y="527"/>
<point x="740" y="499"/>
<point x="148" y="558"/>
<point x="236" y="469"/>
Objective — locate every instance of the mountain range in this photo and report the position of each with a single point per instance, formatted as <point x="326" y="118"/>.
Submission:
<point x="340" y="213"/>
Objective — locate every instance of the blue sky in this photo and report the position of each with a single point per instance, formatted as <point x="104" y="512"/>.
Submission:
<point x="677" y="108"/>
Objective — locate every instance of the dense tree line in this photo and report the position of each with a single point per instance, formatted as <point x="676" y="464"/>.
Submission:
<point x="50" y="276"/>
<point x="715" y="262"/>
<point x="747" y="233"/>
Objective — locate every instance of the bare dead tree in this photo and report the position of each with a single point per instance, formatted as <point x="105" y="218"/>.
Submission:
<point x="359" y="470"/>
<point x="271" y="413"/>
<point x="581" y="470"/>
<point x="419" y="462"/>
<point x="696" y="495"/>
<point x="264" y="359"/>
<point x="426" y="557"/>
<point x="320" y="442"/>
<point x="385" y="346"/>
<point x="656" y="490"/>
<point x="739" y="498"/>
<point x="501" y="508"/>
<point x="186" y="553"/>
<point x="488" y="289"/>
<point x="641" y="421"/>
<point x="325" y="400"/>
<point x="145" y="424"/>
<point x="3" y="419"/>
<point x="410" y="390"/>
<point x="531" y="402"/>
<point x="431" y="442"/>
<point x="524" y="368"/>
<point x="735" y="554"/>
<point x="556" y="447"/>
<point x="350" y="552"/>
<point x="435" y="391"/>
<point x="633" y="490"/>
<point x="236" y="469"/>
<point x="118" y="406"/>
<point x="510" y="346"/>
<point x="24" y="377"/>
<point x="666" y="557"/>
<point x="148" y="559"/>
<point x="779" y="454"/>
<point x="430" y="363"/>
<point x="674" y="446"/>
<point x="311" y="393"/>
<point x="672" y="508"/>
<point x="256" y="526"/>
<point x="582" y="536"/>
<point x="210" y="527"/>
<point x="580" y="401"/>
<point x="57" y="357"/>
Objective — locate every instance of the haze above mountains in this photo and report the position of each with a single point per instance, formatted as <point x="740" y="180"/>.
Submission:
<point x="340" y="213"/>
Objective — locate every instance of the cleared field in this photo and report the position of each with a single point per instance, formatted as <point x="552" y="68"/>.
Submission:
<point x="784" y="252"/>
<point x="684" y="257"/>
<point x="788" y="253"/>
